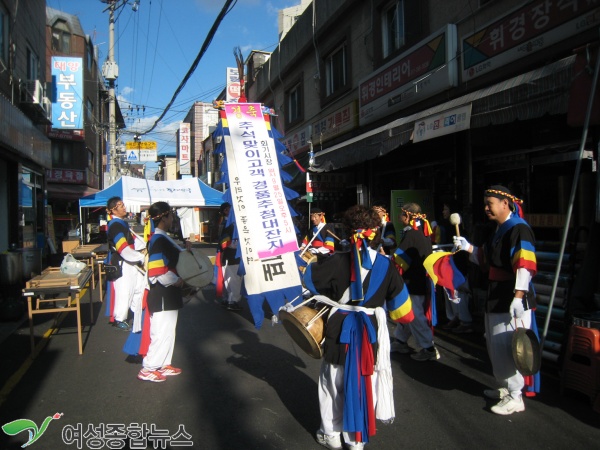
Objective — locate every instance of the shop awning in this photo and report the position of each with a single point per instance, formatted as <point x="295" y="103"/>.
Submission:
<point x="527" y="96"/>
<point x="70" y="192"/>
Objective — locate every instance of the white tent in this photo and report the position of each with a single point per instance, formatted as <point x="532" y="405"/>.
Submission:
<point x="138" y="193"/>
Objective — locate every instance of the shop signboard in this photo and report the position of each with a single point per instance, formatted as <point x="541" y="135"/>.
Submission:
<point x="537" y="25"/>
<point x="424" y="70"/>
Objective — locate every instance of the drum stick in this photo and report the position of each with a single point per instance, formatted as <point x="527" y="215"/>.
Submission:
<point x="319" y="227"/>
<point x="455" y="220"/>
<point x="329" y="231"/>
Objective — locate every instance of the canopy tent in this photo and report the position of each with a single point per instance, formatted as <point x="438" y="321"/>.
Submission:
<point x="139" y="192"/>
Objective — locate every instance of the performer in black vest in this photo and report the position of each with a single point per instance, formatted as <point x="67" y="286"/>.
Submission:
<point x="164" y="298"/>
<point x="509" y="258"/>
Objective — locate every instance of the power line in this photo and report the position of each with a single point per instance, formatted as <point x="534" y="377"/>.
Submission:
<point x="226" y="9"/>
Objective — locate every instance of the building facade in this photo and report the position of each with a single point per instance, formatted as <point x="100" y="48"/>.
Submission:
<point x="25" y="154"/>
<point x="201" y="117"/>
<point x="76" y="133"/>
<point x="434" y="100"/>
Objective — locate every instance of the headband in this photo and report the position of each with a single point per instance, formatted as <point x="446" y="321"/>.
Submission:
<point x="501" y="195"/>
<point x="418" y="216"/>
<point x="517" y="202"/>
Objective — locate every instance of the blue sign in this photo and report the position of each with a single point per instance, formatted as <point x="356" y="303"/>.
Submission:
<point x="68" y="99"/>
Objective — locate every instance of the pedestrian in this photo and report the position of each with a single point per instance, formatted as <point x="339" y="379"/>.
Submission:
<point x="126" y="291"/>
<point x="388" y="231"/>
<point x="318" y="240"/>
<point x="457" y="303"/>
<point x="348" y="397"/>
<point x="229" y="282"/>
<point x="510" y="256"/>
<point x="164" y="298"/>
<point x="412" y="250"/>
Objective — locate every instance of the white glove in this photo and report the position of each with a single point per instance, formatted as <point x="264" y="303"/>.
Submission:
<point x="460" y="243"/>
<point x="516" y="308"/>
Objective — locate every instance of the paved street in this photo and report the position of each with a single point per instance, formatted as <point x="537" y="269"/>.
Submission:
<point x="254" y="389"/>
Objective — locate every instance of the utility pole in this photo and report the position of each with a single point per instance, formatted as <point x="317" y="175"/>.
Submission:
<point x="110" y="72"/>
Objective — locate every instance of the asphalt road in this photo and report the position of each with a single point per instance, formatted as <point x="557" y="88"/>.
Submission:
<point x="243" y="388"/>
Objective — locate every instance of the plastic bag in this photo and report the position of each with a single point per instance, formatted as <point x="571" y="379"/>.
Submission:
<point x="71" y="266"/>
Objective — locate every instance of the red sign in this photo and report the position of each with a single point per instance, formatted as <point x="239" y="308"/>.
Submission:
<point x="65" y="176"/>
<point x="233" y="90"/>
<point x="66" y="135"/>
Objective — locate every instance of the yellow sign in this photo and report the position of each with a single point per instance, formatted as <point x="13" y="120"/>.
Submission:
<point x="146" y="145"/>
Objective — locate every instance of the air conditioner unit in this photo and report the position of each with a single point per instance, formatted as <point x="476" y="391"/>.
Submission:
<point x="32" y="91"/>
<point x="47" y="105"/>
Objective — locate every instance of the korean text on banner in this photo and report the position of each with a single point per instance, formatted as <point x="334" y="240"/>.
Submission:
<point x="258" y="182"/>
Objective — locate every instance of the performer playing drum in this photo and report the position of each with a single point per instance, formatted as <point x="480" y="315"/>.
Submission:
<point x="318" y="240"/>
<point x="368" y="280"/>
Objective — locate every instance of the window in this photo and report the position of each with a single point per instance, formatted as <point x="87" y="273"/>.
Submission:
<point x="89" y="111"/>
<point x="62" y="154"/>
<point x="335" y="71"/>
<point x="91" y="160"/>
<point x="33" y="65"/>
<point x="4" y="21"/>
<point x="393" y="28"/>
<point x="294" y="104"/>
<point x="90" y="56"/>
<point x="61" y="37"/>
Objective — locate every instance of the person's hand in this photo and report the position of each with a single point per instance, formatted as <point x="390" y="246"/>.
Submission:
<point x="179" y="283"/>
<point x="460" y="243"/>
<point x="516" y="308"/>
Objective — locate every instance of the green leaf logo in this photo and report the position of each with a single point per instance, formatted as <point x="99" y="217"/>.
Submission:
<point x="16" y="426"/>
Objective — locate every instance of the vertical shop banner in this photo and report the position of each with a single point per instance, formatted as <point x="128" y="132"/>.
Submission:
<point x="233" y="85"/>
<point x="67" y="103"/>
<point x="185" y="167"/>
<point x="264" y="223"/>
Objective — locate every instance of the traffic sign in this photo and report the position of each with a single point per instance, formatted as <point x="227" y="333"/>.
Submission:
<point x="133" y="155"/>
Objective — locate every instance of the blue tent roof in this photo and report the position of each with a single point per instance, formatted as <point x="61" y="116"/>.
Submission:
<point x="211" y="197"/>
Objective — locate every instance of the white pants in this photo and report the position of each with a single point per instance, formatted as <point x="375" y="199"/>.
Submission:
<point x="499" y="330"/>
<point x="233" y="283"/>
<point x="331" y="400"/>
<point x="162" y="339"/>
<point x="418" y="327"/>
<point x="129" y="290"/>
<point x="459" y="310"/>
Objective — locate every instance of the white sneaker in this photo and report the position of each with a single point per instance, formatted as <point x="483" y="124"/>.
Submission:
<point x="496" y="394"/>
<point x="356" y="446"/>
<point x="332" y="442"/>
<point x="509" y="405"/>
<point x="400" y="347"/>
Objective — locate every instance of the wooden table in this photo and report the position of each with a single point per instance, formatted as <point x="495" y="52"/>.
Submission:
<point x="51" y="282"/>
<point x="93" y="255"/>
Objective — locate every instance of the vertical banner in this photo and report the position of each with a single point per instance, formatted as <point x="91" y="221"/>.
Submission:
<point x="264" y="223"/>
<point x="185" y="167"/>
<point x="67" y="104"/>
<point x="233" y="85"/>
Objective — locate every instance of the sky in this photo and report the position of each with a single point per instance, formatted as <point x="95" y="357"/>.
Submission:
<point x="156" y="46"/>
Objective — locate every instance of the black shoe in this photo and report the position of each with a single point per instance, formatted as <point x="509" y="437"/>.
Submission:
<point x="234" y="306"/>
